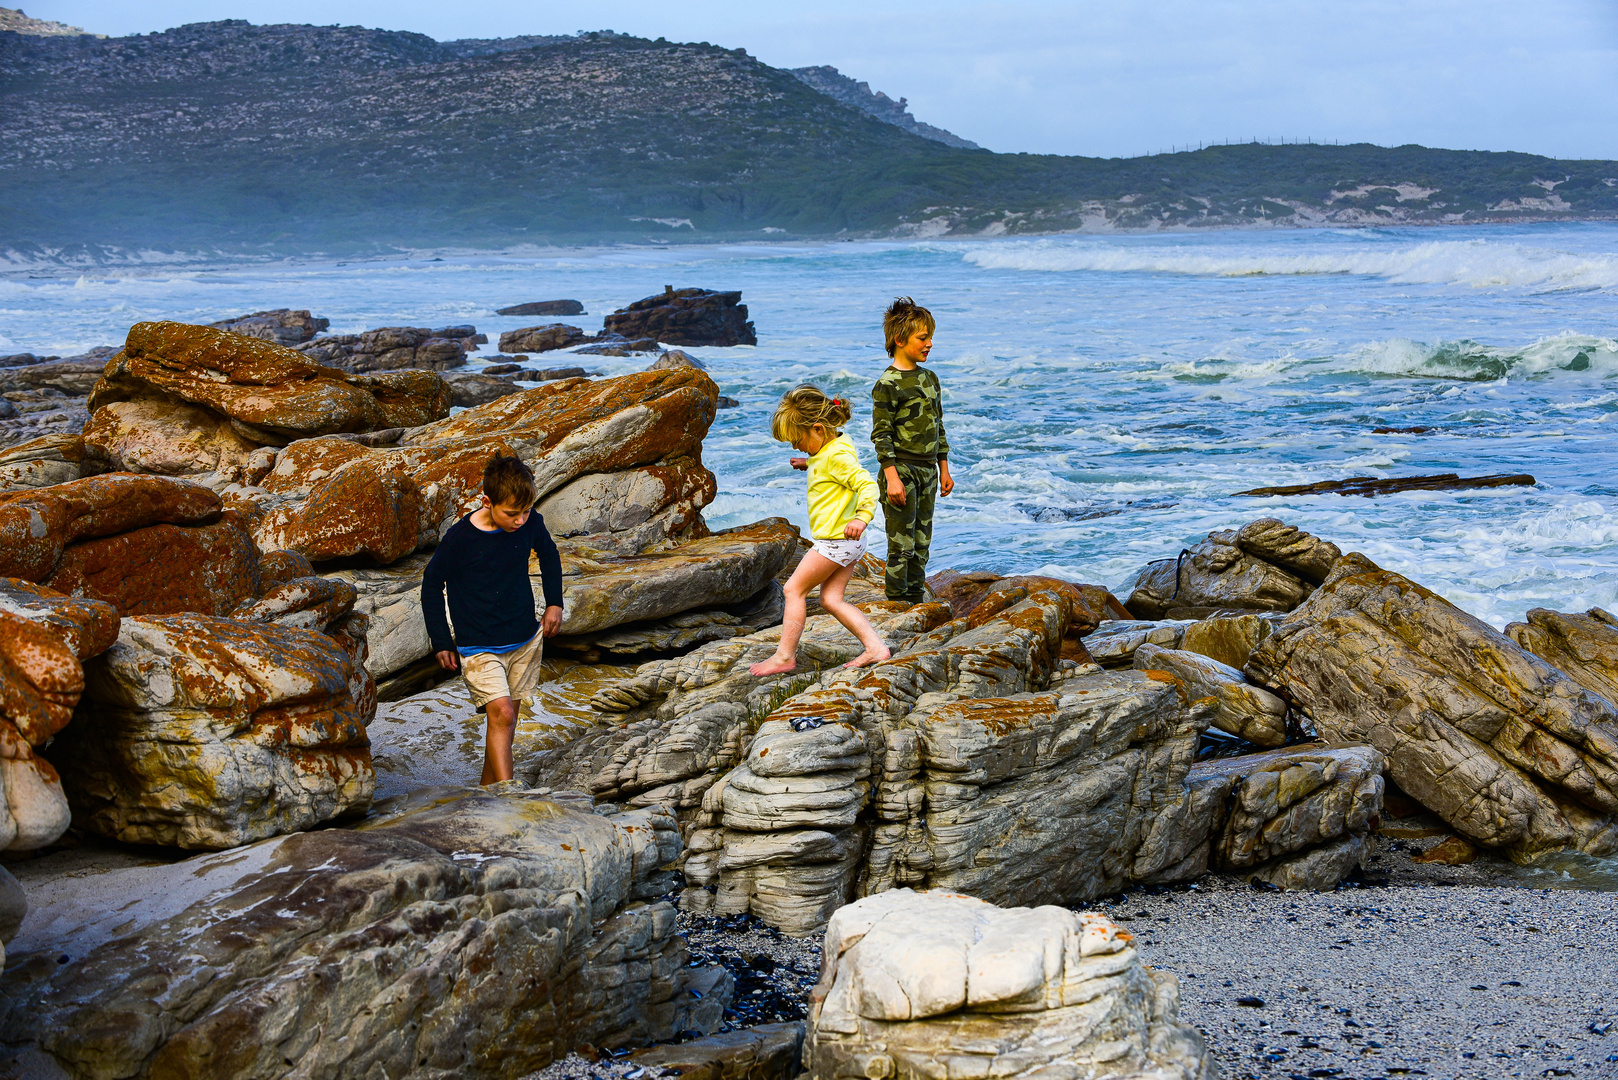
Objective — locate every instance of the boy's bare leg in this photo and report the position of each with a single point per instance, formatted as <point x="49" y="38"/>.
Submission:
<point x="814" y="569"/>
<point x="831" y="598"/>
<point x="502" y="720"/>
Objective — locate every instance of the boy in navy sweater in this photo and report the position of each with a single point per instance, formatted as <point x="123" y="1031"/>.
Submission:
<point x="498" y="643"/>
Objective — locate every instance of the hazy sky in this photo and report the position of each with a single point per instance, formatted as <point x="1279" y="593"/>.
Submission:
<point x="1093" y="77"/>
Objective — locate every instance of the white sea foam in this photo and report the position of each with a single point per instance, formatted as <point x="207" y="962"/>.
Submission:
<point x="1478" y="263"/>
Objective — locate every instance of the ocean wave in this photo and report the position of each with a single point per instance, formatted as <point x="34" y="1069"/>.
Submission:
<point x="1479" y="263"/>
<point x="1465" y="361"/>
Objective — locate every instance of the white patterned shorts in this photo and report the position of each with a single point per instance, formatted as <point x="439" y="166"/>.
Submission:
<point x="841" y="552"/>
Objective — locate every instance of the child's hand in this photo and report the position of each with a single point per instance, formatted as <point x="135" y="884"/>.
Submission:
<point x="854" y="528"/>
<point x="551" y="622"/>
<point x="896" y="491"/>
<point x="447" y="660"/>
<point x="799" y="463"/>
<point x="946" y="482"/>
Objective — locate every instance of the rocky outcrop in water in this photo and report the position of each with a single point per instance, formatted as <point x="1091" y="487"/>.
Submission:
<point x="1369" y="486"/>
<point x="1263" y="566"/>
<point x="910" y="978"/>
<point x="685" y="317"/>
<point x="284" y="326"/>
<point x="1509" y="750"/>
<point x="547" y="338"/>
<point x="391" y="348"/>
<point x="466" y="933"/>
<point x="1585" y="646"/>
<point x="543" y="307"/>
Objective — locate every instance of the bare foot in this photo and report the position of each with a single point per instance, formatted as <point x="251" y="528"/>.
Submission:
<point x="774" y="666"/>
<point x="870" y="657"/>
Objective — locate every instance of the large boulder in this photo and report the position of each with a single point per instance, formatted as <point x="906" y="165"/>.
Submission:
<point x="685" y="317"/>
<point x="41" y="462"/>
<point x="390" y="348"/>
<point x="465" y="934"/>
<point x="1509" y="750"/>
<point x="45" y="638"/>
<point x="157" y="436"/>
<point x="1585" y="646"/>
<point x="204" y="732"/>
<point x="271" y="394"/>
<point x="1248" y="711"/>
<point x="911" y="980"/>
<point x="1263" y="566"/>
<point x="533" y="339"/>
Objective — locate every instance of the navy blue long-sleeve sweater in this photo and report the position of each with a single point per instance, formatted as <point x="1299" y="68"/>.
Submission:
<point x="490" y="596"/>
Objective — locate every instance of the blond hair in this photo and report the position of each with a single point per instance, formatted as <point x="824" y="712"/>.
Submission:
<point x="902" y="320"/>
<point x="803" y="407"/>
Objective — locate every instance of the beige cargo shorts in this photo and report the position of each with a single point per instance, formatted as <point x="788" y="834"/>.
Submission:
<point x="513" y="674"/>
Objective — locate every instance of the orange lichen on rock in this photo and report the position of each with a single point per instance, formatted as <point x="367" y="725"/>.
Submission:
<point x="165" y="569"/>
<point x="36" y="525"/>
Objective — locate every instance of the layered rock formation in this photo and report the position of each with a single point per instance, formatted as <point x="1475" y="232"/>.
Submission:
<point x="1509" y="750"/>
<point x="685" y="317"/>
<point x="1585" y="646"/>
<point x="543" y="307"/>
<point x="1242" y="709"/>
<point x="269" y="393"/>
<point x="550" y="336"/>
<point x="909" y="980"/>
<point x="465" y="934"/>
<point x="1263" y="566"/>
<point x="284" y="326"/>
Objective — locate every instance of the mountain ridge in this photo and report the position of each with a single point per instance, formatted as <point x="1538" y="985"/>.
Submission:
<point x="285" y="139"/>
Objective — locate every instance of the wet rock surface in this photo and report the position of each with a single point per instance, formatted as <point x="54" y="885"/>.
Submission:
<point x="1263" y="566"/>
<point x="284" y="326"/>
<point x="543" y="307"/>
<point x="685" y="317"/>
<point x="466" y="934"/>
<point x="1585" y="646"/>
<point x="1368" y="486"/>
<point x="390" y="348"/>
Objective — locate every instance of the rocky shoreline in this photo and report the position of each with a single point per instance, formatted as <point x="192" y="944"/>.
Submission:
<point x="1057" y="829"/>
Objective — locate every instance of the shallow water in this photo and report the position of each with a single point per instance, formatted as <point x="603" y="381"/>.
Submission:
<point x="1105" y="395"/>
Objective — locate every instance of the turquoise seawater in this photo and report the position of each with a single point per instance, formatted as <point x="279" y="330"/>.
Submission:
<point x="1106" y="395"/>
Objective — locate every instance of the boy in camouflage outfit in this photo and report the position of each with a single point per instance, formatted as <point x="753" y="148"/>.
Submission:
<point x="907" y="428"/>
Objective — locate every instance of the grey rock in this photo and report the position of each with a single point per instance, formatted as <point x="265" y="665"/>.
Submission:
<point x="469" y="389"/>
<point x="677" y="358"/>
<point x="1585" y="646"/>
<point x="284" y="326"/>
<point x="533" y="339"/>
<point x="685" y="317"/>
<point x="1222" y="572"/>
<point x="1113" y="642"/>
<point x="544" y="307"/>
<point x="1245" y="710"/>
<point x="13" y="907"/>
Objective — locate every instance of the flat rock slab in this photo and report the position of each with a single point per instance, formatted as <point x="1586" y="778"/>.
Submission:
<point x="1369" y="486"/>
<point x="766" y="1052"/>
<point x="467" y="933"/>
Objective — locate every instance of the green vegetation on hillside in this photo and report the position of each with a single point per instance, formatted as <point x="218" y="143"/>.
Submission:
<point x="285" y="139"/>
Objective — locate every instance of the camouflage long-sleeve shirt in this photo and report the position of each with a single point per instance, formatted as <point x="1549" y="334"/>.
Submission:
<point x="907" y="417"/>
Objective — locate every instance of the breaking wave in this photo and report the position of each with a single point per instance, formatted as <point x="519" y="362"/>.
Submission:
<point x="1478" y="263"/>
<point x="1466" y="361"/>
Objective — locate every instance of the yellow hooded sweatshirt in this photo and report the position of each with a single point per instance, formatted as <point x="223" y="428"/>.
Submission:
<point x="839" y="489"/>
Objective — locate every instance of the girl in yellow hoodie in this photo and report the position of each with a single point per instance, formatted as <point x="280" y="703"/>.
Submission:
<point x="842" y="502"/>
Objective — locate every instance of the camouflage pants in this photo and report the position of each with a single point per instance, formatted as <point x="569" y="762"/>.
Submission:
<point x="910" y="530"/>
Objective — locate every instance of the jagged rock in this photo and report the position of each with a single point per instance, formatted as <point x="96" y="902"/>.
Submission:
<point x="270" y="393"/>
<point x="685" y="317"/>
<point x="1224" y="573"/>
<point x="526" y="374"/>
<point x="1245" y="710"/>
<point x="1510" y="751"/>
<point x="203" y="732"/>
<point x="470" y="389"/>
<point x="35" y="526"/>
<point x="766" y="1052"/>
<point x="1368" y="486"/>
<point x="284" y="326"/>
<point x="544" y="307"/>
<point x="1228" y="640"/>
<point x="44" y="639"/>
<point x="24" y="359"/>
<point x="1584" y="646"/>
<point x="533" y="339"/>
<point x="613" y="345"/>
<point x="464" y="934"/>
<point x="1290" y="548"/>
<point x="912" y="979"/>
<point x="370" y="505"/>
<point x="979" y="778"/>
<point x="1296" y="817"/>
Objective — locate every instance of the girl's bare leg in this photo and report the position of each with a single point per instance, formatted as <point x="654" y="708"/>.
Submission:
<point x="814" y="569"/>
<point x="831" y="598"/>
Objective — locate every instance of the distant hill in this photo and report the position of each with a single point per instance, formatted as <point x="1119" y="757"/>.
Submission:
<point x="18" y="22"/>
<point x="239" y="139"/>
<point x="834" y="84"/>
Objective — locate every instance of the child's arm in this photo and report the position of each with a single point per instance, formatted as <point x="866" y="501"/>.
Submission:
<point x="845" y="468"/>
<point x="550" y="572"/>
<point x="946" y="483"/>
<point x="432" y="611"/>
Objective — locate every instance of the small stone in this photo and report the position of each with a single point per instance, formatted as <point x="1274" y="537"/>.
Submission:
<point x="1250" y="1002"/>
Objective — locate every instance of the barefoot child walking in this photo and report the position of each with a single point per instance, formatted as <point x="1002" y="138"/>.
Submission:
<point x="842" y="502"/>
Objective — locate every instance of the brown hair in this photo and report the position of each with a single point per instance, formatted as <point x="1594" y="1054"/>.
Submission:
<point x="803" y="407"/>
<point x="507" y="481"/>
<point x="903" y="319"/>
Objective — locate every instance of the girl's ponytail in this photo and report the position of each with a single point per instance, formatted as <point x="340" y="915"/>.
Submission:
<point x="803" y="407"/>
